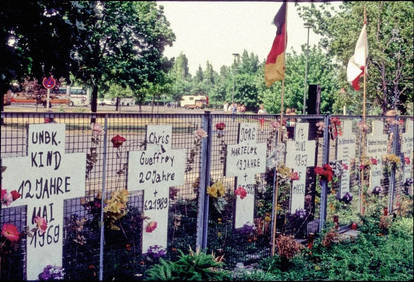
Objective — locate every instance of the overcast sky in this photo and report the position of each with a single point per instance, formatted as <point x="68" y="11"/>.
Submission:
<point x="215" y="30"/>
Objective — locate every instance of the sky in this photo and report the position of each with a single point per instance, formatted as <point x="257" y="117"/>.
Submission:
<point x="215" y="30"/>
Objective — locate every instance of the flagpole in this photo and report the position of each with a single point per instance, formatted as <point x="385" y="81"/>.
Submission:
<point x="279" y="140"/>
<point x="362" y="208"/>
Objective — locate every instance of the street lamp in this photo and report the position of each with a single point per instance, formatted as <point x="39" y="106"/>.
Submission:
<point x="236" y="55"/>
<point x="308" y="26"/>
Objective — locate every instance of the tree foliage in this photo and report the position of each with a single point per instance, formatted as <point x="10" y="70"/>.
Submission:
<point x="390" y="47"/>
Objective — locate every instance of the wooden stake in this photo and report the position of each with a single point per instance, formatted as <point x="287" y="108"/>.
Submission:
<point x="279" y="140"/>
<point x="362" y="208"/>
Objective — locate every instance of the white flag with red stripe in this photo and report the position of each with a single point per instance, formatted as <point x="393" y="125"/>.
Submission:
<point x="357" y="63"/>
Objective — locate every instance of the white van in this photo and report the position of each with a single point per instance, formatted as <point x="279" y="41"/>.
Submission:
<point x="193" y="101"/>
<point x="78" y="96"/>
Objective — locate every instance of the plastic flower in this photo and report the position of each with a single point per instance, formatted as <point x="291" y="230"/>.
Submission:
<point x="212" y="191"/>
<point x="156" y="252"/>
<point x="345" y="166"/>
<point x="200" y="133"/>
<point x="407" y="160"/>
<point x="216" y="190"/>
<point x="301" y="213"/>
<point x="117" y="141"/>
<point x="220" y="126"/>
<point x="52" y="272"/>
<point x="325" y="172"/>
<point x="10" y="232"/>
<point x="15" y="195"/>
<point x="374" y="161"/>
<point x="96" y="129"/>
<point x="392" y="158"/>
<point x="320" y="125"/>
<point x="363" y="126"/>
<point x="294" y="176"/>
<point x="240" y="191"/>
<point x="377" y="190"/>
<point x="151" y="226"/>
<point x="347" y="198"/>
<point x="6" y="198"/>
<point x="41" y="224"/>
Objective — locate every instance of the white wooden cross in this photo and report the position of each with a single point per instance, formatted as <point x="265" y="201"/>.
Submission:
<point x="300" y="155"/>
<point x="407" y="150"/>
<point x="45" y="178"/>
<point x="244" y="161"/>
<point x="345" y="153"/>
<point x="155" y="170"/>
<point x="376" y="148"/>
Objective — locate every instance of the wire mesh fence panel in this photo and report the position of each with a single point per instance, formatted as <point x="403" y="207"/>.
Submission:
<point x="127" y="133"/>
<point x="249" y="242"/>
<point x="244" y="152"/>
<point x="15" y="144"/>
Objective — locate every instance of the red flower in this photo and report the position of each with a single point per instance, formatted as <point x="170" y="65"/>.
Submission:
<point x="345" y="166"/>
<point x="241" y="192"/>
<point x="15" y="195"/>
<point x="220" y="126"/>
<point x="325" y="172"/>
<point x="117" y="140"/>
<point x="294" y="176"/>
<point x="41" y="224"/>
<point x="3" y="193"/>
<point x="374" y="161"/>
<point x="151" y="226"/>
<point x="407" y="160"/>
<point x="10" y="232"/>
<point x="335" y="121"/>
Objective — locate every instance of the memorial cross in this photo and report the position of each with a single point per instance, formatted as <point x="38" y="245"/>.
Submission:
<point x="45" y="178"/>
<point x="155" y="170"/>
<point x="244" y="161"/>
<point x="300" y="155"/>
<point x="345" y="153"/>
<point x="407" y="150"/>
<point x="376" y="148"/>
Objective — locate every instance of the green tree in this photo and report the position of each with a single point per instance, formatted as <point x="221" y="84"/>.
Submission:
<point x="122" y="43"/>
<point x="321" y="70"/>
<point x="390" y="47"/>
<point x="180" y="77"/>
<point x="35" y="41"/>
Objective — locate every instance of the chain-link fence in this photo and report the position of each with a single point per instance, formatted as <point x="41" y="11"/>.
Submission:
<point x="204" y="210"/>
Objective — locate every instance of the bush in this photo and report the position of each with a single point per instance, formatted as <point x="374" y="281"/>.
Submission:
<point x="197" y="266"/>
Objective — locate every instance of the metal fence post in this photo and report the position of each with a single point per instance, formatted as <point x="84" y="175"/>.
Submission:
<point x="325" y="160"/>
<point x="391" y="190"/>
<point x="101" y="242"/>
<point x="203" y="199"/>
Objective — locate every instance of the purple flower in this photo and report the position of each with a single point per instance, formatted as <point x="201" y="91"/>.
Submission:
<point x="247" y="229"/>
<point x="301" y="213"/>
<point x="156" y="252"/>
<point x="347" y="198"/>
<point x="377" y="190"/>
<point x="52" y="272"/>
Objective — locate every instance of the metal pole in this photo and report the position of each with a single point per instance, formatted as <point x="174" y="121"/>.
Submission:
<point x="203" y="198"/>
<point x="305" y="83"/>
<point x="391" y="192"/>
<point x="101" y="242"/>
<point x="48" y="98"/>
<point x="325" y="160"/>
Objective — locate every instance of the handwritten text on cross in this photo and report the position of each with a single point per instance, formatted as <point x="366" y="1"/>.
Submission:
<point x="155" y="170"/>
<point x="345" y="153"/>
<point x="245" y="160"/>
<point x="300" y="155"/>
<point x="45" y="178"/>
